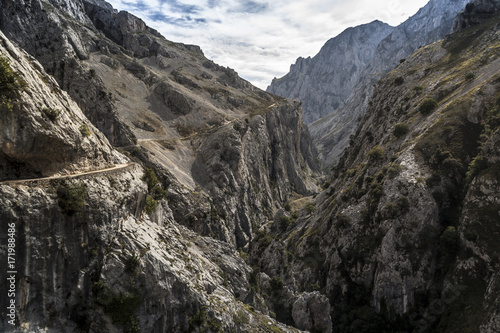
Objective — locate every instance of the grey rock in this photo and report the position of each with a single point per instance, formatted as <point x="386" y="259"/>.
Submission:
<point x="323" y="82"/>
<point x="311" y="312"/>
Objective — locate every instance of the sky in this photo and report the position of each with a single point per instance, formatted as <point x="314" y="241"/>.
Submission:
<point x="260" y="39"/>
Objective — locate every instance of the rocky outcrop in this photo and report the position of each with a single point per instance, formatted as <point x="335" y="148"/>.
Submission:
<point x="44" y="132"/>
<point x="323" y="82"/>
<point x="311" y="312"/>
<point x="429" y="24"/>
<point x="475" y="13"/>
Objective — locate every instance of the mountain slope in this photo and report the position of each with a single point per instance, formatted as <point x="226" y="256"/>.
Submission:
<point x="205" y="152"/>
<point x="138" y="87"/>
<point x="403" y="239"/>
<point x="324" y="81"/>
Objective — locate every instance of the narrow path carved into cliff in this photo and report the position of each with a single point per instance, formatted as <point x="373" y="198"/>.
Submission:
<point x="116" y="167"/>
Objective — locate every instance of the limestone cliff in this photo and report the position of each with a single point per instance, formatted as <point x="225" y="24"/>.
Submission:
<point x="325" y="81"/>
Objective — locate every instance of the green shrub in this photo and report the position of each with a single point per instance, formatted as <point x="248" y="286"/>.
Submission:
<point x="150" y="205"/>
<point x="403" y="204"/>
<point x="276" y="283"/>
<point x="418" y="90"/>
<point x="376" y="153"/>
<point x="71" y="198"/>
<point x="342" y="220"/>
<point x="400" y="130"/>
<point x="453" y="165"/>
<point x="427" y="106"/>
<point x="204" y="322"/>
<point x="288" y="207"/>
<point x="150" y="178"/>
<point x="285" y="221"/>
<point x="52" y="114"/>
<point x="84" y="130"/>
<point x="133" y="264"/>
<point x="122" y="309"/>
<point x="154" y="188"/>
<point x="470" y="76"/>
<point x="394" y="170"/>
<point x="240" y="318"/>
<point x="399" y="81"/>
<point x="11" y="81"/>
<point x="478" y="163"/>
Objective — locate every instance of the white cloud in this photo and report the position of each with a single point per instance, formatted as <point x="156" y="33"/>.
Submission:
<point x="260" y="39"/>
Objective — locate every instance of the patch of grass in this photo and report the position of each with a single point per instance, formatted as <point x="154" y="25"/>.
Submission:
<point x="11" y="84"/>
<point x="84" y="130"/>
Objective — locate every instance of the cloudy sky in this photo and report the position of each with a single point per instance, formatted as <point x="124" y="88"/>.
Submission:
<point x="260" y="39"/>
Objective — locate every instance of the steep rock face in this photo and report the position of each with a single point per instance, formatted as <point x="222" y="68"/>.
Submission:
<point x="476" y="12"/>
<point x="323" y="82"/>
<point x="44" y="132"/>
<point x="246" y="188"/>
<point x="404" y="233"/>
<point x="226" y="155"/>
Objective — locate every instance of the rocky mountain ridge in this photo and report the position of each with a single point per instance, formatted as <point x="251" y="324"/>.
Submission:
<point x="331" y="133"/>
<point x="201" y="150"/>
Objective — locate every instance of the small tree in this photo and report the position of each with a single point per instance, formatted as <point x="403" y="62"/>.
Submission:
<point x="11" y="83"/>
